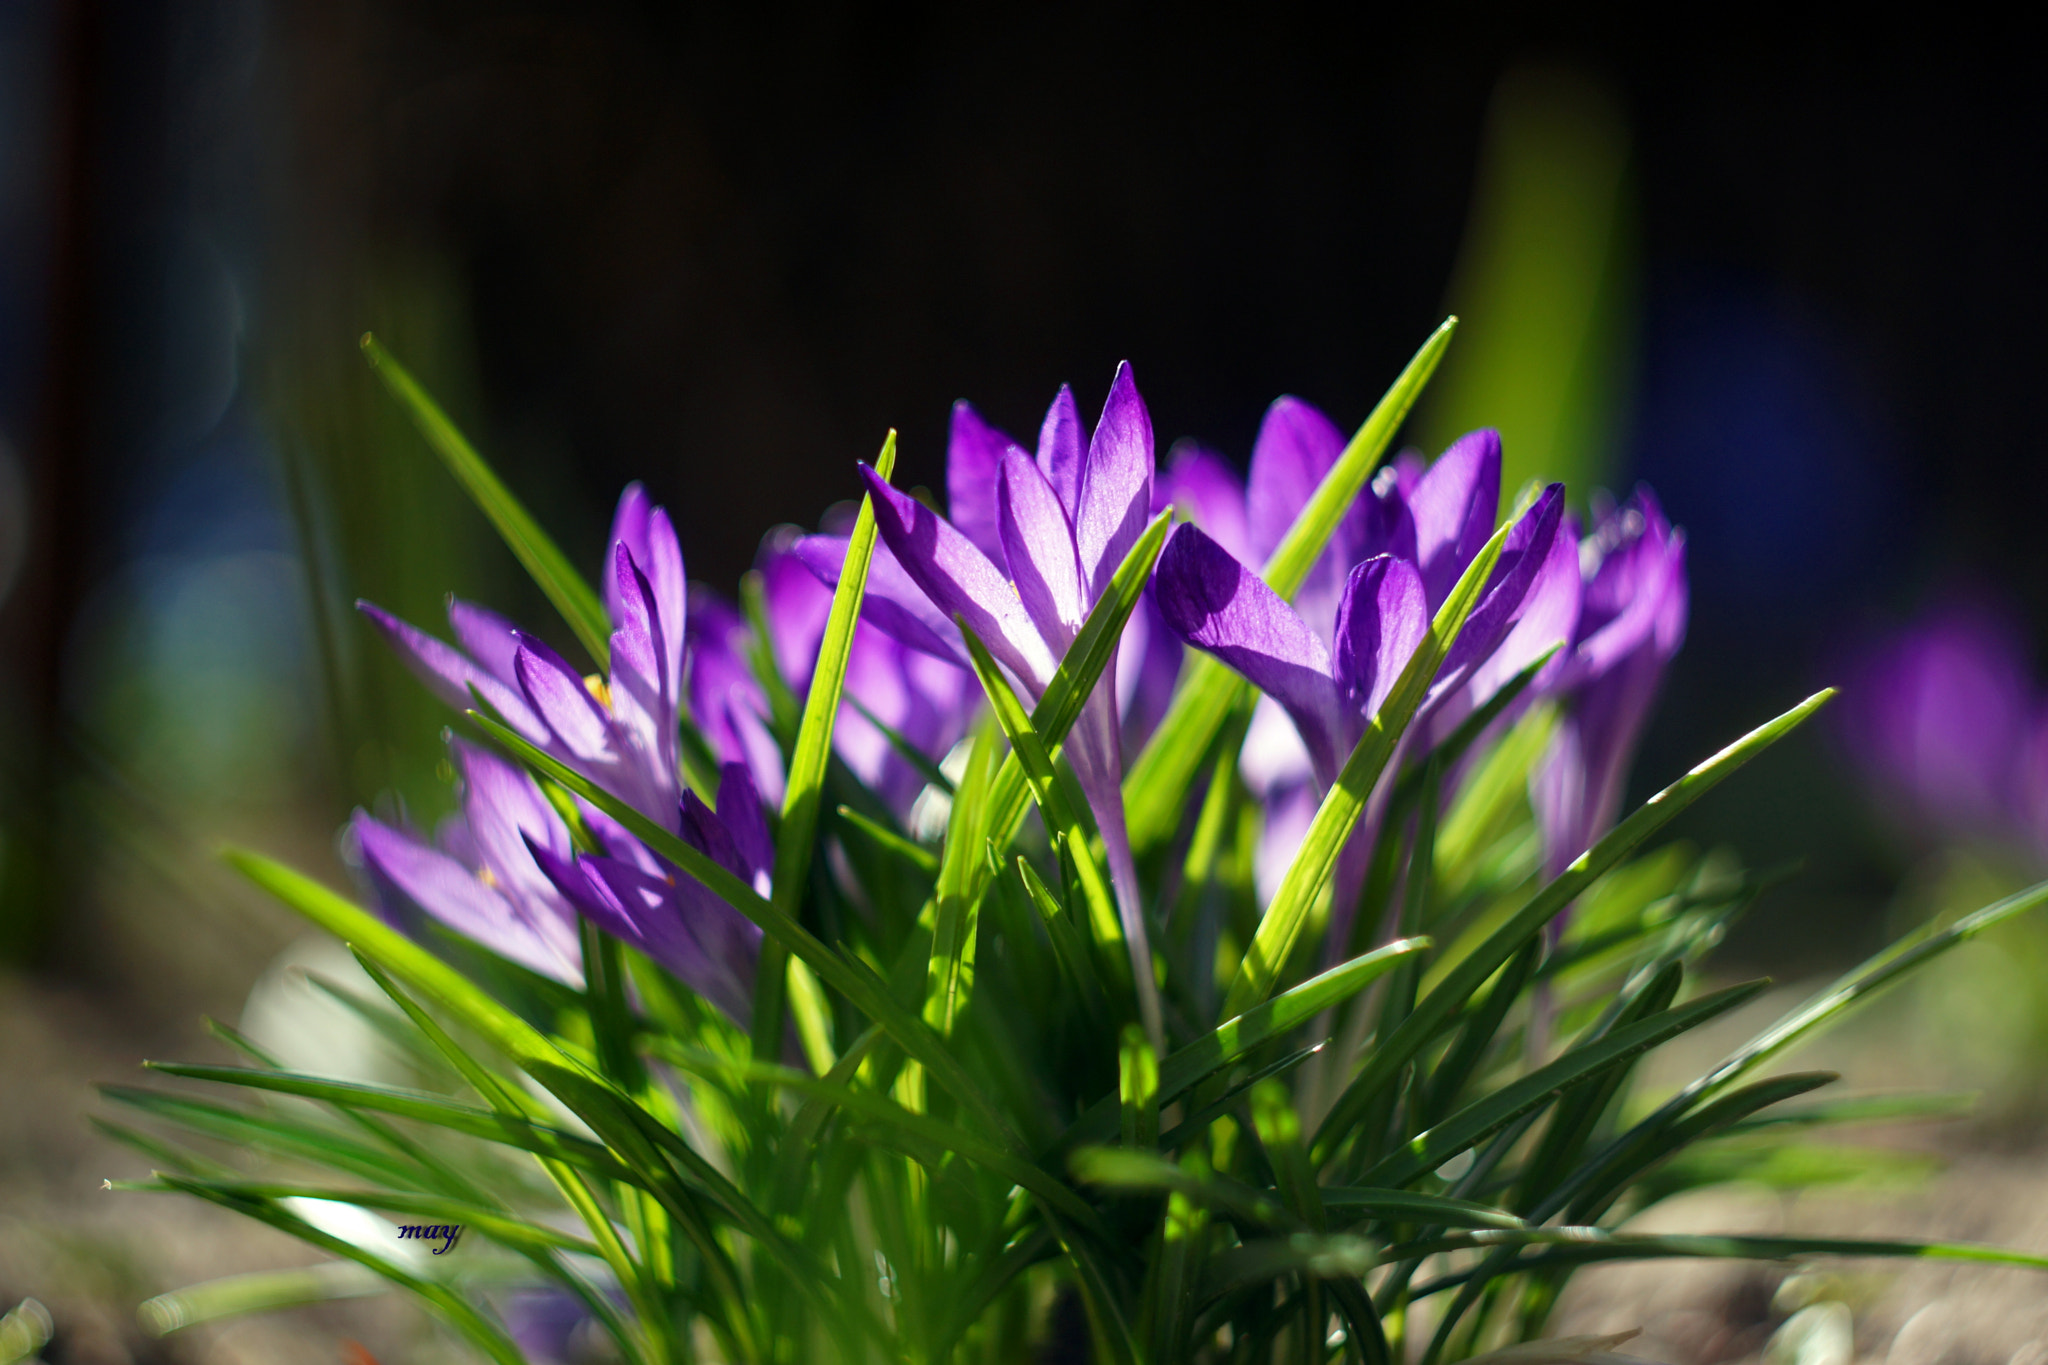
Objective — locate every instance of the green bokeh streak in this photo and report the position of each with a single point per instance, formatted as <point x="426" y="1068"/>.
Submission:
<point x="1546" y="285"/>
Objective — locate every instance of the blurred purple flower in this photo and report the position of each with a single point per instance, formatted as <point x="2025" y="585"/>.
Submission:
<point x="1942" y="716"/>
<point x="1629" y="621"/>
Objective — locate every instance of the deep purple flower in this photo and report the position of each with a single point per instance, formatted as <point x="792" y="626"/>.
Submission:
<point x="1630" y="622"/>
<point x="480" y="877"/>
<point x="621" y="733"/>
<point x="675" y="919"/>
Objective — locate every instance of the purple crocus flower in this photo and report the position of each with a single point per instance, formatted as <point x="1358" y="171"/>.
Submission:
<point x="727" y="701"/>
<point x="1631" y="621"/>
<point x="1030" y="547"/>
<point x="481" y="877"/>
<point x="621" y="733"/>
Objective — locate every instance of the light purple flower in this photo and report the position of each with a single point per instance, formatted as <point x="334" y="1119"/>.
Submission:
<point x="481" y="878"/>
<point x="622" y="733"/>
<point x="1630" y="622"/>
<point x="1030" y="547"/>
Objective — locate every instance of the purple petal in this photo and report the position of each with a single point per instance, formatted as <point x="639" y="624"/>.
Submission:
<point x="893" y="601"/>
<point x="677" y="923"/>
<point x="486" y="637"/>
<point x="1116" y="484"/>
<point x="1059" y="449"/>
<point x="709" y="836"/>
<point x="746" y="820"/>
<point x="449" y="673"/>
<point x="1522" y="556"/>
<point x="1217" y="604"/>
<point x="1454" y="506"/>
<point x="560" y="697"/>
<point x="1202" y="487"/>
<point x="959" y="578"/>
<point x="629" y="527"/>
<point x="1550" y="615"/>
<point x="504" y="810"/>
<point x="797" y="603"/>
<point x="645" y="530"/>
<point x="1038" y="544"/>
<point x="1295" y="448"/>
<point x="454" y="895"/>
<point x="973" y="455"/>
<point x="1381" y="620"/>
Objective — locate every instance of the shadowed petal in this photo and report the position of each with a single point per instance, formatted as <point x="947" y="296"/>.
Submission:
<point x="1379" y="623"/>
<point x="973" y="454"/>
<point x="746" y="820"/>
<point x="959" y="578"/>
<point x="1038" y="545"/>
<point x="1522" y="556"/>
<point x="1116" y="484"/>
<point x="1059" y="449"/>
<point x="1454" y="506"/>
<point x="449" y="673"/>
<point x="1217" y="604"/>
<point x="893" y="601"/>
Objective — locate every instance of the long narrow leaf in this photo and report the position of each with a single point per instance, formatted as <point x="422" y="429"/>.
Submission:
<point x="566" y="588"/>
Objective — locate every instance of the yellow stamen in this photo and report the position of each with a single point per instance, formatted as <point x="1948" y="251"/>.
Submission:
<point x="598" y="688"/>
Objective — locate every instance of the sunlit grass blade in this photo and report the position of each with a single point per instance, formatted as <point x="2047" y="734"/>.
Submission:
<point x="274" y="1133"/>
<point x="1156" y="785"/>
<point x="487" y="1124"/>
<point x="917" y="855"/>
<point x="1412" y="1206"/>
<point x="1309" y="874"/>
<point x="1466" y="977"/>
<point x="571" y="594"/>
<point x="808" y="760"/>
<point x="1472" y="1124"/>
<point x="949" y="978"/>
<point x="452" y="1307"/>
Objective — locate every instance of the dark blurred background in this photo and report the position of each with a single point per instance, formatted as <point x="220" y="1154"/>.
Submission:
<point x="1790" y="275"/>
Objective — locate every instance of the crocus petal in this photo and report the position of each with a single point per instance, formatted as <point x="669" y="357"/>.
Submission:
<point x="1059" y="449"/>
<point x="505" y="811"/>
<point x="449" y="673"/>
<point x="973" y="454"/>
<point x="1454" y="506"/>
<point x="1550" y="614"/>
<point x="959" y="579"/>
<point x="1201" y="487"/>
<point x="1217" y="604"/>
<point x="1038" y="545"/>
<point x="629" y="527"/>
<point x="1116" y="483"/>
<point x="797" y="605"/>
<point x="1522" y="558"/>
<point x="708" y="834"/>
<point x="677" y="923"/>
<point x="1381" y="620"/>
<point x="559" y="696"/>
<point x="454" y="895"/>
<point x="741" y="812"/>
<point x="646" y="532"/>
<point x="893" y="601"/>
<point x="1295" y="448"/>
<point x="488" y="638"/>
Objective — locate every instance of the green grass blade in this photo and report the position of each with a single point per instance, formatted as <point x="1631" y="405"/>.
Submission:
<point x="1465" y="979"/>
<point x="1309" y="874"/>
<point x="1190" y="1065"/>
<point x="260" y="1291"/>
<point x="487" y="1124"/>
<point x="1411" y="1206"/>
<point x="949" y="977"/>
<point x="1472" y="1124"/>
<point x="511" y="1232"/>
<point x="269" y="1132"/>
<point x="808" y="762"/>
<point x="916" y="854"/>
<point x="1156" y="786"/>
<point x="573" y="597"/>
